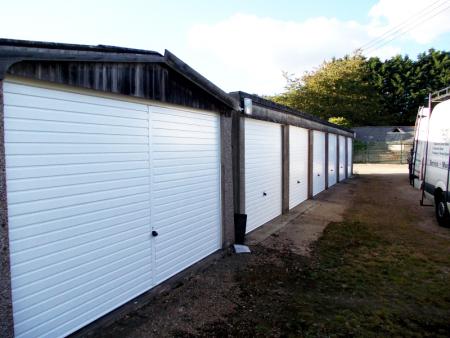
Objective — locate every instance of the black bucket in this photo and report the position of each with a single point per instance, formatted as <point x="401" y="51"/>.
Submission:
<point x="240" y="225"/>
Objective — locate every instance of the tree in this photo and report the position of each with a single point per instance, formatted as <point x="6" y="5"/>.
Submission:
<point x="369" y="91"/>
<point x="338" y="88"/>
<point x="404" y="84"/>
<point x="340" y="121"/>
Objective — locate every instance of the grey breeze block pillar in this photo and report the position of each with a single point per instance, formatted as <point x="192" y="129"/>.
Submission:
<point x="227" y="174"/>
<point x="6" y="317"/>
<point x="238" y="149"/>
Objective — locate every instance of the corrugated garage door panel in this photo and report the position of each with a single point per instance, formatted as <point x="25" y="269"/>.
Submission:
<point x="298" y="165"/>
<point x="318" y="162"/>
<point x="332" y="157"/>
<point x="186" y="210"/>
<point x="350" y="156"/>
<point x="262" y="172"/>
<point x="342" y="164"/>
<point x="78" y="190"/>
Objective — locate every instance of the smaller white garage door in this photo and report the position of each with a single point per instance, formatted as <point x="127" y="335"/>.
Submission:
<point x="318" y="162"/>
<point x="349" y="156"/>
<point x="332" y="156"/>
<point x="298" y="165"/>
<point x="262" y="172"/>
<point x="342" y="163"/>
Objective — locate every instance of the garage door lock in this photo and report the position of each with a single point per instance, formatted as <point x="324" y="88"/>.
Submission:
<point x="154" y="233"/>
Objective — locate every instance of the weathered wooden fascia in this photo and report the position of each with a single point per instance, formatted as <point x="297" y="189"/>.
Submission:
<point x="11" y="55"/>
<point x="270" y="115"/>
<point x="184" y="69"/>
<point x="14" y="55"/>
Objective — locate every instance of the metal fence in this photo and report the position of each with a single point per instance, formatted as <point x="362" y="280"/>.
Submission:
<point x="382" y="152"/>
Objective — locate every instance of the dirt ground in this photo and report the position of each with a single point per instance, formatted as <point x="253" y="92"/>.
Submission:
<point x="293" y="285"/>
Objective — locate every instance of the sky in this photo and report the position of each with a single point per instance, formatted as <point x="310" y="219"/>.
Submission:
<point x="239" y="44"/>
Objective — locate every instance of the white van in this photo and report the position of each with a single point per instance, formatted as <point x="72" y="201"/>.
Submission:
<point x="420" y="142"/>
<point x="436" y="158"/>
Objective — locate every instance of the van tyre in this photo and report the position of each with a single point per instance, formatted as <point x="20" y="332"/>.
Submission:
<point x="442" y="214"/>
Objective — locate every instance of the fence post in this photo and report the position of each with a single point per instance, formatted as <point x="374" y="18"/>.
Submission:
<point x="401" y="151"/>
<point x="367" y="152"/>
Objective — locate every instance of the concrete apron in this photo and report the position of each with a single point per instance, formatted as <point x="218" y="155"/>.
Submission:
<point x="305" y="223"/>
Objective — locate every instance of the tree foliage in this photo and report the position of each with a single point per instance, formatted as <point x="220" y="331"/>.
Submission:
<point x="340" y="121"/>
<point x="369" y="91"/>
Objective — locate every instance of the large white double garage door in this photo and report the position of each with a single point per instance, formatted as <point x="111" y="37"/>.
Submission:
<point x="88" y="181"/>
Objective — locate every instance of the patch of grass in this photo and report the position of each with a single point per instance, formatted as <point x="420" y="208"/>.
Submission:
<point x="362" y="280"/>
<point x="370" y="282"/>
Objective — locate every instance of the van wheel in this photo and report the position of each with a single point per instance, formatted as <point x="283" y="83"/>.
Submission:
<point x="442" y="214"/>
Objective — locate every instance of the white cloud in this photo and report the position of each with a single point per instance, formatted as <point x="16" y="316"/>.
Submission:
<point x="250" y="53"/>
<point x="261" y="48"/>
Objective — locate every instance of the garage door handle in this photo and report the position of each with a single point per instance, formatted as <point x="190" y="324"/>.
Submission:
<point x="298" y="182"/>
<point x="154" y="233"/>
<point x="331" y="170"/>
<point x="264" y="194"/>
<point x="318" y="174"/>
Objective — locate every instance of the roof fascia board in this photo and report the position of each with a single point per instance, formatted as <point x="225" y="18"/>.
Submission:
<point x="14" y="55"/>
<point x="283" y="109"/>
<point x="192" y="75"/>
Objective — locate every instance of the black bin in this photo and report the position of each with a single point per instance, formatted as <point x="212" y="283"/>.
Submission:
<point x="240" y="225"/>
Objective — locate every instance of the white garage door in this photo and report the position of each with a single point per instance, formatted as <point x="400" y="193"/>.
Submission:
<point x="342" y="164"/>
<point x="79" y="181"/>
<point x="332" y="153"/>
<point x="318" y="162"/>
<point x="349" y="156"/>
<point x="185" y="155"/>
<point x="298" y="165"/>
<point x="262" y="172"/>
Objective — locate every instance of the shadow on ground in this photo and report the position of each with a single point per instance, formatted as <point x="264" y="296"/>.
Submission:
<point x="380" y="268"/>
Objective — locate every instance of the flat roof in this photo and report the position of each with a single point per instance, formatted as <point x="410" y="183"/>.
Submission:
<point x="285" y="109"/>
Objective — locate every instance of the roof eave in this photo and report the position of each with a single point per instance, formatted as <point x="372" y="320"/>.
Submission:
<point x="17" y="51"/>
<point x="172" y="61"/>
<point x="284" y="109"/>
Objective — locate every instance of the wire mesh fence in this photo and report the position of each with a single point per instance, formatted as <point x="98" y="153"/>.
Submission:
<point x="382" y="152"/>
